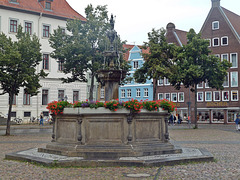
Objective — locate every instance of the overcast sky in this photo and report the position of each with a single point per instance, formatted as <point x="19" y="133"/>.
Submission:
<point x="134" y="18"/>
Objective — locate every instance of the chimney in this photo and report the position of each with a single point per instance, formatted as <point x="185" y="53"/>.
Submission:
<point x="215" y="3"/>
<point x="170" y="27"/>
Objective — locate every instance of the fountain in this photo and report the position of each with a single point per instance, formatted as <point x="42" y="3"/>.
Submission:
<point x="111" y="75"/>
<point x="100" y="137"/>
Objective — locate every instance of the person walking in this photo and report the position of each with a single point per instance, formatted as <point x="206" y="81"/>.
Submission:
<point x="237" y="121"/>
<point x="41" y="119"/>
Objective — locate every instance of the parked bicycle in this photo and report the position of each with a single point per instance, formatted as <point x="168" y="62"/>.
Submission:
<point x="18" y="120"/>
<point x="34" y="119"/>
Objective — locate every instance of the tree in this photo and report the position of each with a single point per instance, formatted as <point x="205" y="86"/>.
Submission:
<point x="18" y="61"/>
<point x="82" y="50"/>
<point x="194" y="65"/>
<point x="159" y="61"/>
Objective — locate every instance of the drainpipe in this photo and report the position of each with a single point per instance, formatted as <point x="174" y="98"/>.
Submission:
<point x="39" y="30"/>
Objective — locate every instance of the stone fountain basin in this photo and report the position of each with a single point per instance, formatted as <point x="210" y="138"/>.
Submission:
<point x="101" y="133"/>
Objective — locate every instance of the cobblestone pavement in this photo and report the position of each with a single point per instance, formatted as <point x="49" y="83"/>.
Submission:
<point x="223" y="141"/>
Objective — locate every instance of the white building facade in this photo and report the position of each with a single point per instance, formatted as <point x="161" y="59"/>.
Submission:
<point x="40" y="17"/>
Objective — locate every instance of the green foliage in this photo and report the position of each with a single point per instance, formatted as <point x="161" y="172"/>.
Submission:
<point x="82" y="50"/>
<point x="159" y="61"/>
<point x="18" y="62"/>
<point x="195" y="64"/>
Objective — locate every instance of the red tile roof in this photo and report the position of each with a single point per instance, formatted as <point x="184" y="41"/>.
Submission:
<point x="182" y="35"/>
<point x="60" y="8"/>
<point x="233" y="18"/>
<point x="128" y="48"/>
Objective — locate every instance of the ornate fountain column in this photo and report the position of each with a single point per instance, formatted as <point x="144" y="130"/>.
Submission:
<point x="111" y="75"/>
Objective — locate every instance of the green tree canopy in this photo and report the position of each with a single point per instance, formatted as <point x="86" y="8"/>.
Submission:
<point x="195" y="65"/>
<point x="18" y="61"/>
<point x="160" y="59"/>
<point x="82" y="50"/>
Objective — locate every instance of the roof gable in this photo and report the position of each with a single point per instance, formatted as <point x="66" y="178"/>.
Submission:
<point x="226" y="17"/>
<point x="59" y="8"/>
<point x="135" y="48"/>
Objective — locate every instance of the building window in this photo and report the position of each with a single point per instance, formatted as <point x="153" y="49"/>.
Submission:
<point x="234" y="60"/>
<point x="122" y="93"/>
<point x="167" y="96"/>
<point x="200" y="96"/>
<point x="215" y="41"/>
<point x="145" y="92"/>
<point x="167" y="81"/>
<point x="181" y="97"/>
<point x="60" y="65"/>
<point x="46" y="61"/>
<point x="216" y="96"/>
<point x="208" y="96"/>
<point x="129" y="93"/>
<point x="215" y="25"/>
<point x="174" y="97"/>
<point x="14" y="101"/>
<point x="226" y="81"/>
<point x="44" y="97"/>
<point x="13" y="114"/>
<point x="75" y="96"/>
<point x="224" y="41"/>
<point x="234" y="79"/>
<point x="138" y="92"/>
<point x="225" y="95"/>
<point x="27" y="114"/>
<point x="48" y="5"/>
<point x="28" y="27"/>
<point x="135" y="64"/>
<point x="224" y="56"/>
<point x="13" y="26"/>
<point x="160" y="96"/>
<point x="46" y="30"/>
<point x="26" y="98"/>
<point x="160" y="82"/>
<point x="102" y="93"/>
<point x="60" y="95"/>
<point x="234" y="95"/>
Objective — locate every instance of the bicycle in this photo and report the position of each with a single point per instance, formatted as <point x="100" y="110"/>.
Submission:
<point x="18" y="120"/>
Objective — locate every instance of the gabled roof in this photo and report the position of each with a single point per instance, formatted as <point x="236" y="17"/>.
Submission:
<point x="176" y="36"/>
<point x="129" y="47"/>
<point x="182" y="36"/>
<point x="232" y="20"/>
<point x="60" y="8"/>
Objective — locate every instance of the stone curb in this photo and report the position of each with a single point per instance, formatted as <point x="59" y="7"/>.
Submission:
<point x="31" y="155"/>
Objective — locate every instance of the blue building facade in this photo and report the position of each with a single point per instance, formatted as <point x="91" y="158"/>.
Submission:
<point x="132" y="89"/>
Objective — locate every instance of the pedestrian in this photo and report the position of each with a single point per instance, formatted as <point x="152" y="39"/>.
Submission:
<point x="179" y="119"/>
<point x="237" y="121"/>
<point x="41" y="119"/>
<point x="171" y="119"/>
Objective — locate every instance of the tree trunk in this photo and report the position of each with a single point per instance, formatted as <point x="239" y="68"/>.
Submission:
<point x="91" y="88"/>
<point x="154" y="88"/>
<point x="195" y="108"/>
<point x="9" y="115"/>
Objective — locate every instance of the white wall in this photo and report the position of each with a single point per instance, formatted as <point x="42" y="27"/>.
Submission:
<point x="52" y="83"/>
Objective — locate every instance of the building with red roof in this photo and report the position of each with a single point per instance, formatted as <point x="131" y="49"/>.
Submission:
<point x="40" y="17"/>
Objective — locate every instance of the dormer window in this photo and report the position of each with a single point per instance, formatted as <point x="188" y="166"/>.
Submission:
<point x="13" y="1"/>
<point x="215" y="25"/>
<point x="48" y="5"/>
